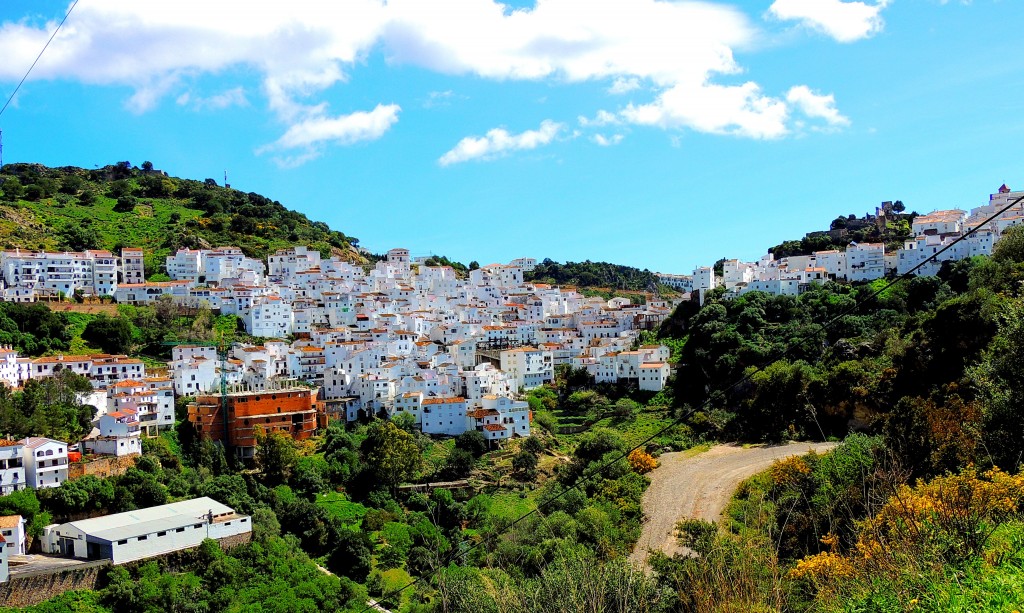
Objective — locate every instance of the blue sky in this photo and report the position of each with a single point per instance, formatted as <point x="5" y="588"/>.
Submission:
<point x="662" y="135"/>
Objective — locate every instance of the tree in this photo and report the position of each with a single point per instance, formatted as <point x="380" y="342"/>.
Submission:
<point x="352" y="555"/>
<point x="524" y="464"/>
<point x="474" y="265"/>
<point x="111" y="334"/>
<point x="898" y="206"/>
<point x="458" y="464"/>
<point x="125" y="204"/>
<point x="472" y="441"/>
<point x="1010" y="247"/>
<point x="276" y="456"/>
<point x="391" y="453"/>
<point x="147" y="166"/>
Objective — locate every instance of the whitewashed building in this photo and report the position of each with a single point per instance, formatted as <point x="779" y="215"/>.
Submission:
<point x="12" y="467"/>
<point x="145" y="533"/>
<point x="12" y="529"/>
<point x="46" y="462"/>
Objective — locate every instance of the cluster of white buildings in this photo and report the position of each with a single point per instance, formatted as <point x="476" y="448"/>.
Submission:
<point x="28" y="276"/>
<point x="865" y="261"/>
<point x="413" y="338"/>
<point x="399" y="336"/>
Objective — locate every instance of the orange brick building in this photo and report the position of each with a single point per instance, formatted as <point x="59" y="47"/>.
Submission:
<point x="292" y="410"/>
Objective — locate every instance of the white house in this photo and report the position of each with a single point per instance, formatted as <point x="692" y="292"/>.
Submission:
<point x="865" y="261"/>
<point x="444" y="415"/>
<point x="12" y="467"/>
<point x="654" y="375"/>
<point x="12" y="528"/>
<point x="185" y="265"/>
<point x="145" y="533"/>
<point x="46" y="462"/>
<point x="270" y="316"/>
<point x="133" y="267"/>
<point x="119" y="435"/>
<point x="500" y="418"/>
<point x="13" y="370"/>
<point x="92" y="272"/>
<point x="4" y="572"/>
<point x="527" y="367"/>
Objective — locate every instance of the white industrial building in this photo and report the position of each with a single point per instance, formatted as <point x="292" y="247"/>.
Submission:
<point x="145" y="533"/>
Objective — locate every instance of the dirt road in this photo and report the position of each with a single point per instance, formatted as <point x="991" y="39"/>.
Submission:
<point x="688" y="486"/>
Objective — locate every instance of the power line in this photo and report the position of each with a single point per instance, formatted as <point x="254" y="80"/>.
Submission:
<point x="29" y="71"/>
<point x="727" y="391"/>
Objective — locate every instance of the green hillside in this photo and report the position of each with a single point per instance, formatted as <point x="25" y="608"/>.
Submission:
<point x="71" y="208"/>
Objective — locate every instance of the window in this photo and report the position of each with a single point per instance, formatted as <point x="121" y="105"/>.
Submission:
<point x="123" y="542"/>
<point x="197" y="526"/>
<point x="161" y="533"/>
<point x="143" y="537"/>
<point x="180" y="530"/>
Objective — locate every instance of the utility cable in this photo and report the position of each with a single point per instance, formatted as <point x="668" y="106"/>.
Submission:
<point x="29" y="71"/>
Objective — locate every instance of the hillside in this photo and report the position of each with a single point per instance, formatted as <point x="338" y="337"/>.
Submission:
<point x="593" y="274"/>
<point x="71" y="208"/>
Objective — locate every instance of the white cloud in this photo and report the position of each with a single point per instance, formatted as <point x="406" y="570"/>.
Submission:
<point x="342" y="129"/>
<point x="816" y="105"/>
<point x="232" y="97"/>
<point x="603" y="118"/>
<point x="717" y="109"/>
<point x="302" y="49"/>
<point x="607" y="141"/>
<point x="622" y="85"/>
<point x="499" y="142"/>
<point x="843" y="21"/>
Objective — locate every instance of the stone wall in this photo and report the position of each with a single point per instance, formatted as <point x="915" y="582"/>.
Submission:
<point x="33" y="589"/>
<point x="233" y="541"/>
<point x="107" y="466"/>
<point x="30" y="590"/>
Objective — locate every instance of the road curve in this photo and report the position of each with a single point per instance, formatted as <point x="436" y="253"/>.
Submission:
<point x="687" y="486"/>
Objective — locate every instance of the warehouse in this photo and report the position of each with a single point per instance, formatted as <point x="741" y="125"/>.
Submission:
<point x="144" y="533"/>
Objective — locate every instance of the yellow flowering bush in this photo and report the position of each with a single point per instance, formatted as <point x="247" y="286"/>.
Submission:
<point x="789" y="471"/>
<point x="950" y="517"/>
<point x="641" y="461"/>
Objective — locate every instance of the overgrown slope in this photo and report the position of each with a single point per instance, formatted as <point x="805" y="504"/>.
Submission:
<point x="71" y="208"/>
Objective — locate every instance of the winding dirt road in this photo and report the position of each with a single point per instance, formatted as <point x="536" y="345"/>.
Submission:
<point x="688" y="486"/>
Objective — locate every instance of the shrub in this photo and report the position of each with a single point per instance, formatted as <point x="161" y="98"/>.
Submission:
<point x="641" y="461"/>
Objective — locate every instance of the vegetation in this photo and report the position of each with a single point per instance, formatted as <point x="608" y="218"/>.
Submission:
<point x="595" y="274"/>
<point x="845" y="230"/>
<point x="33" y="329"/>
<point x="123" y="206"/>
<point x="919" y="507"/>
<point x="47" y="407"/>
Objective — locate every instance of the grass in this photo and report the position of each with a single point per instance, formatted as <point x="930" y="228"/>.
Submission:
<point x="341" y="508"/>
<point x="435" y="454"/>
<point x="513" y="504"/>
<point x="146" y="227"/>
<point x="393" y="580"/>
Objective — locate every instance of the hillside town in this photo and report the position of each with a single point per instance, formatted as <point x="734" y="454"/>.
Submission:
<point x="335" y="341"/>
<point x="338" y="342"/>
<point x="931" y="233"/>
